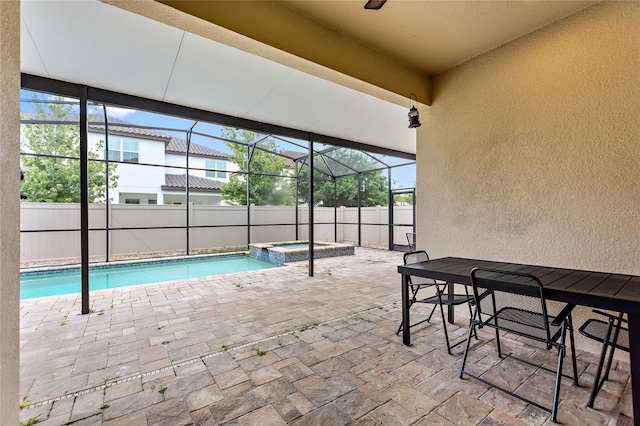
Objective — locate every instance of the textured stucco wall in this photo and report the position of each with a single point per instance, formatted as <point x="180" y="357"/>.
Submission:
<point x="9" y="210"/>
<point x="531" y="152"/>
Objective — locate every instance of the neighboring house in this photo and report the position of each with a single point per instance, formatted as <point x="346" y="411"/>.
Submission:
<point x="291" y="157"/>
<point x="156" y="174"/>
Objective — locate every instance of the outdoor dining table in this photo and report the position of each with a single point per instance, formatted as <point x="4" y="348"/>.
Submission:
<point x="616" y="292"/>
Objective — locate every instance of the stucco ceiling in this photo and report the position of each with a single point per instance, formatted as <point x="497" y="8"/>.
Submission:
<point x="432" y="36"/>
<point x="111" y="47"/>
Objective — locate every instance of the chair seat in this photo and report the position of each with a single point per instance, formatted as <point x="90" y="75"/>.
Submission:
<point x="597" y="330"/>
<point x="523" y="322"/>
<point x="613" y="336"/>
<point x="456" y="299"/>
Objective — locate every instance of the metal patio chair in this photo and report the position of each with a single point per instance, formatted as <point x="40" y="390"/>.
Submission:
<point x="440" y="299"/>
<point x="411" y="239"/>
<point x="515" y="303"/>
<point x="613" y="336"/>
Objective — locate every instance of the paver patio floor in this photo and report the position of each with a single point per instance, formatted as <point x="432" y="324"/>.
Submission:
<point x="278" y="347"/>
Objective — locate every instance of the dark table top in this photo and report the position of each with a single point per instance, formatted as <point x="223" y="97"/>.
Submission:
<point x="604" y="290"/>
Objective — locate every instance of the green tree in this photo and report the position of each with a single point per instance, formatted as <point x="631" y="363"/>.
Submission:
<point x="265" y="189"/>
<point x="54" y="175"/>
<point x="403" y="200"/>
<point x="375" y="191"/>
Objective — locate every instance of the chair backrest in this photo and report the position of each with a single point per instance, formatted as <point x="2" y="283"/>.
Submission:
<point x="411" y="239"/>
<point x="494" y="290"/>
<point x="415" y="257"/>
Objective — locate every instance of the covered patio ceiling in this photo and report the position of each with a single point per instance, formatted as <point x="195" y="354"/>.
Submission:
<point x="327" y="67"/>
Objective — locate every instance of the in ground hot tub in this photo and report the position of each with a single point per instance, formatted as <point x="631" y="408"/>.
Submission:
<point x="295" y="251"/>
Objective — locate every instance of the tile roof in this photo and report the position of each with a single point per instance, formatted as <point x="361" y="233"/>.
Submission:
<point x="291" y="156"/>
<point x="173" y="145"/>
<point x="121" y="126"/>
<point x="179" y="182"/>
<point x="179" y="146"/>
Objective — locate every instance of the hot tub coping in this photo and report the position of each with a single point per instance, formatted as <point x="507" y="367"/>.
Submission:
<point x="272" y="253"/>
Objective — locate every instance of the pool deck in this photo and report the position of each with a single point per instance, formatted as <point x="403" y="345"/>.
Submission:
<point x="275" y="347"/>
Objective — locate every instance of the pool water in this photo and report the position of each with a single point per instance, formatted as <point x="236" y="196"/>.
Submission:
<point x="66" y="281"/>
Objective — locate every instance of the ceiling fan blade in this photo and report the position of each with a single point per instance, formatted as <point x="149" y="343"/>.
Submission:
<point x="374" y="4"/>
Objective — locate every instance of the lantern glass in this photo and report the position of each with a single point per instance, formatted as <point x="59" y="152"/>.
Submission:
<point x="414" y="118"/>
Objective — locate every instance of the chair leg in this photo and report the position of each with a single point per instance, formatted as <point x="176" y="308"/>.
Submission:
<point x="466" y="348"/>
<point x="498" y="344"/>
<point x="475" y="332"/>
<point x="444" y="321"/>
<point x="616" y="324"/>
<point x="597" y="383"/>
<point x="411" y="302"/>
<point x="573" y="352"/>
<point x="414" y="324"/>
<point x="400" y="327"/>
<point x="609" y="362"/>
<point x="414" y="294"/>
<point x="556" y="391"/>
<point x="561" y="354"/>
<point x="431" y="314"/>
<point x="493" y="298"/>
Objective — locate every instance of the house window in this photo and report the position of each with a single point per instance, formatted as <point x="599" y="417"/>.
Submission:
<point x="153" y="201"/>
<point x="132" y="201"/>
<point x="121" y="149"/>
<point x="219" y="169"/>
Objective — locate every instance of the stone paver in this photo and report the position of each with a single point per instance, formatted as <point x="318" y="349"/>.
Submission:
<point x="279" y="347"/>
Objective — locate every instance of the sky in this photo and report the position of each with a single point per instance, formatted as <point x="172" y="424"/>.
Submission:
<point x="402" y="177"/>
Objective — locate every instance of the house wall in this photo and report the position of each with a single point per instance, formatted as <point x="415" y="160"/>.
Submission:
<point x="134" y="178"/>
<point x="196" y="198"/>
<point x="194" y="163"/>
<point x="144" y="183"/>
<point x="9" y="211"/>
<point x="530" y="152"/>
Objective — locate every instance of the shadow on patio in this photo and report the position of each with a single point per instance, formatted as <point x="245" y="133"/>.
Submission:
<point x="275" y="347"/>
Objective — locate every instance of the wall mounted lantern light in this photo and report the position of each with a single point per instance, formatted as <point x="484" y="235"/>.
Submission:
<point x="414" y="116"/>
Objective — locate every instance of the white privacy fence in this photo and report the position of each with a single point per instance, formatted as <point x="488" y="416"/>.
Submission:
<point x="50" y="231"/>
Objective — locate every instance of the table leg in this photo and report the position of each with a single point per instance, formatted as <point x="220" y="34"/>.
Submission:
<point x="406" y="335"/>
<point x="634" y="356"/>
<point x="451" y="313"/>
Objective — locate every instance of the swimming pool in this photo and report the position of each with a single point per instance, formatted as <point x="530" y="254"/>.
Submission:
<point x="65" y="281"/>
